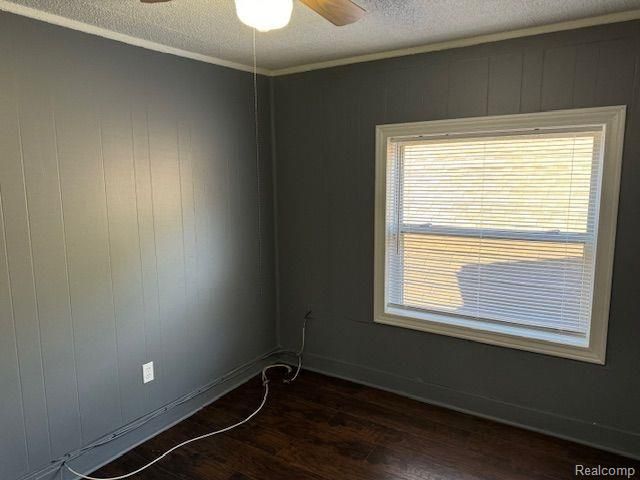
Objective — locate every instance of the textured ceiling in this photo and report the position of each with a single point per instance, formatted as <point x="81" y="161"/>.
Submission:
<point x="211" y="28"/>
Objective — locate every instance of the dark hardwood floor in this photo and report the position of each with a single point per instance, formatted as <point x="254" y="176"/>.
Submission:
<point x="321" y="428"/>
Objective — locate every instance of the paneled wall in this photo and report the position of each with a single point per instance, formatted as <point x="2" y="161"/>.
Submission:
<point x="325" y="131"/>
<point x="131" y="231"/>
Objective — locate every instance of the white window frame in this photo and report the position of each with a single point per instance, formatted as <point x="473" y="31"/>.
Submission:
<point x="519" y="337"/>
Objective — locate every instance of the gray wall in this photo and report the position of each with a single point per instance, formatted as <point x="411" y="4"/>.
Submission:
<point x="129" y="233"/>
<point x="325" y="122"/>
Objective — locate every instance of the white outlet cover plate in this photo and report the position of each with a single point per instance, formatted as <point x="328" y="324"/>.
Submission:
<point x="147" y="372"/>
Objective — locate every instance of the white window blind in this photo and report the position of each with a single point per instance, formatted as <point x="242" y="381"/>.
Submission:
<point x="498" y="227"/>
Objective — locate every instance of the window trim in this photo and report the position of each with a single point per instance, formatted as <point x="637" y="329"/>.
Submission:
<point x="613" y="120"/>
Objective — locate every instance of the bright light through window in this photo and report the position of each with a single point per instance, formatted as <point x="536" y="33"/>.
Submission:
<point x="495" y="229"/>
<point x="498" y="228"/>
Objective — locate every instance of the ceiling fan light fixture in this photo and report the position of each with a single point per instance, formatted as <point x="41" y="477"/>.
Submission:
<point x="264" y="15"/>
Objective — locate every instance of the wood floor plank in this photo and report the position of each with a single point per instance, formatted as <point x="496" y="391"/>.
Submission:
<point x="481" y="440"/>
<point x="132" y="461"/>
<point x="322" y="428"/>
<point x="219" y="457"/>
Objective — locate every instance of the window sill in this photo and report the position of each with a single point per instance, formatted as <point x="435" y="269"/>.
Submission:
<point x="511" y="336"/>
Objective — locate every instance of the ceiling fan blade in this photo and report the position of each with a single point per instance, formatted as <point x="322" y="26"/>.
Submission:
<point x="338" y="12"/>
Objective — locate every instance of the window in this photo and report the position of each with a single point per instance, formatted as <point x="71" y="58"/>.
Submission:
<point x="500" y="229"/>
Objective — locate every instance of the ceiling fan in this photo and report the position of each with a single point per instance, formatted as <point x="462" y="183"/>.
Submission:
<point x="265" y="15"/>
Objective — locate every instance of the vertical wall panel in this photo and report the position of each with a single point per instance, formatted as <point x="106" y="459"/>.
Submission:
<point x="585" y="81"/>
<point x="124" y="247"/>
<point x="267" y="201"/>
<point x="13" y="441"/>
<point x="129" y="191"/>
<point x="86" y="234"/>
<point x="210" y="160"/>
<point x="203" y="274"/>
<point x="47" y="237"/>
<point x="468" y="87"/>
<point x="341" y="176"/>
<point x="370" y="114"/>
<point x="315" y="279"/>
<point x="435" y="88"/>
<point x="147" y="237"/>
<point x="18" y="247"/>
<point x="244" y="214"/>
<point x="505" y="82"/>
<point x="190" y="265"/>
<point x="531" y="84"/>
<point x="417" y="94"/>
<point x="167" y="207"/>
<point x="616" y="69"/>
<point x="557" y="79"/>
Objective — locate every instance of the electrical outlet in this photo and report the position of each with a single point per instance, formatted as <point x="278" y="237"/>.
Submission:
<point x="147" y="372"/>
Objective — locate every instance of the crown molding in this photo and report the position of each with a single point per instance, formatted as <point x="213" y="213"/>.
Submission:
<point x="465" y="42"/>
<point x="121" y="37"/>
<point x="54" y="19"/>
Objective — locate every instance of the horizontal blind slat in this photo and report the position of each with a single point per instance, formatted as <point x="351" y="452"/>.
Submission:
<point x="498" y="226"/>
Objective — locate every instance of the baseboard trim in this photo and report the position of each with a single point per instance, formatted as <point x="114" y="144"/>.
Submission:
<point x="618" y="441"/>
<point x="100" y="456"/>
<point x="621" y="442"/>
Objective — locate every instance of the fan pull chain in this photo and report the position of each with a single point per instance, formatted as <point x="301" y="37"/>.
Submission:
<point x="259" y="190"/>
